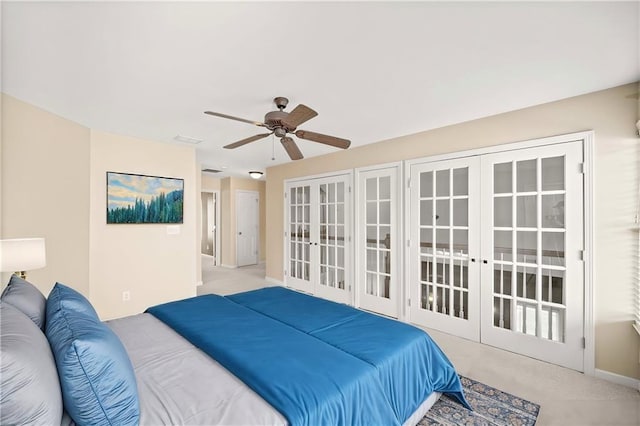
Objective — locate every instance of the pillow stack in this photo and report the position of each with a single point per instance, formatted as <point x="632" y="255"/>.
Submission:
<point x="96" y="375"/>
<point x="79" y="366"/>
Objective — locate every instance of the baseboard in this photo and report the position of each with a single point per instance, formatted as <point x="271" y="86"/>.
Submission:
<point x="629" y="382"/>
<point x="273" y="281"/>
<point x="199" y="283"/>
<point x="229" y="266"/>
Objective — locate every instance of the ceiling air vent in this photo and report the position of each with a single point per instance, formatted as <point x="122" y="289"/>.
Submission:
<point x="187" y="139"/>
<point x="211" y="170"/>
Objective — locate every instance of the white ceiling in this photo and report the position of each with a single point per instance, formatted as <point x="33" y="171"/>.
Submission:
<point x="372" y="70"/>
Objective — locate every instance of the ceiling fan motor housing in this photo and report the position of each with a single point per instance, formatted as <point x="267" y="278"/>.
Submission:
<point x="273" y="120"/>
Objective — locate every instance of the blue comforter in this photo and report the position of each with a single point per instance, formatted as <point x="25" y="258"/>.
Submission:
<point x="315" y="361"/>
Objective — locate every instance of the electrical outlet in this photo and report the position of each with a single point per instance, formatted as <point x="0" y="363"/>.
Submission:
<point x="126" y="296"/>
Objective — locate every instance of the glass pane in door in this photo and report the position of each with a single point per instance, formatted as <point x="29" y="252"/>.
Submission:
<point x="529" y="239"/>
<point x="299" y="228"/>
<point x="332" y="234"/>
<point x="378" y="225"/>
<point x="444" y="241"/>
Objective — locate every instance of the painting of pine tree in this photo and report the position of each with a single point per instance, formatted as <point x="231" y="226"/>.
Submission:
<point x="144" y="199"/>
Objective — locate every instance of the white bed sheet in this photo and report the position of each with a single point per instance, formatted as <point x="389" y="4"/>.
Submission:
<point x="179" y="384"/>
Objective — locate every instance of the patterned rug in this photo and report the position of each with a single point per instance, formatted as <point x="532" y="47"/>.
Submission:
<point x="490" y="407"/>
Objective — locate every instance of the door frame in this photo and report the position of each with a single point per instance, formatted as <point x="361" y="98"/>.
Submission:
<point x="257" y="194"/>
<point x="216" y="240"/>
<point x="349" y="251"/>
<point x="587" y="138"/>
<point x="359" y="249"/>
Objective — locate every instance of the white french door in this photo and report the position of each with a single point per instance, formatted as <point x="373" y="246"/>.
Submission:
<point x="495" y="250"/>
<point x="532" y="241"/>
<point x="444" y="246"/>
<point x="378" y="245"/>
<point x="298" y="238"/>
<point x="317" y="241"/>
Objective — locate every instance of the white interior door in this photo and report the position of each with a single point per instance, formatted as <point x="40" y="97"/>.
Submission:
<point x="247" y="227"/>
<point x="444" y="246"/>
<point x="532" y="240"/>
<point x="317" y="241"/>
<point x="333" y="208"/>
<point x="298" y="239"/>
<point x="378" y="244"/>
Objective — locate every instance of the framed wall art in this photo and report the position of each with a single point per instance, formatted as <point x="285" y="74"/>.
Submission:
<point x="135" y="198"/>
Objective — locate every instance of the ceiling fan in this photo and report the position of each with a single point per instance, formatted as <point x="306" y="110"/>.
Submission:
<point x="282" y="123"/>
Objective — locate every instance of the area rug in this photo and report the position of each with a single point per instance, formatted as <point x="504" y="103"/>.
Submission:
<point x="490" y="407"/>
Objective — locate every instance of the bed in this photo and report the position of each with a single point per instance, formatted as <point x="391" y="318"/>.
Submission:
<point x="266" y="357"/>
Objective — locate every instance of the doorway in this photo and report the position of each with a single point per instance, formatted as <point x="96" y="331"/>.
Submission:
<point x="210" y="238"/>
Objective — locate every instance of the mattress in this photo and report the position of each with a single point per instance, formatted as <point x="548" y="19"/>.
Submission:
<point x="179" y="384"/>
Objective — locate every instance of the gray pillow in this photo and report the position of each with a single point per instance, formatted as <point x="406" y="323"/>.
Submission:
<point x="29" y="386"/>
<point x="27" y="298"/>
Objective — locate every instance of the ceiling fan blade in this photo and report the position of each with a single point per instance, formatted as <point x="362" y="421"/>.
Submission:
<point x="299" y="115"/>
<point x="246" y="141"/>
<point x="325" y="139"/>
<point x="231" y="117"/>
<point x="291" y="148"/>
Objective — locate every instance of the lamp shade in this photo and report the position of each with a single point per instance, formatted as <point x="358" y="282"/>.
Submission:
<point x="23" y="254"/>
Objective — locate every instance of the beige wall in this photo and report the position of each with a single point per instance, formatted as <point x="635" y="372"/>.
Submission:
<point x="209" y="183"/>
<point x="144" y="259"/>
<point x="610" y="113"/>
<point x="45" y="190"/>
<point x="228" y="188"/>
<point x="54" y="186"/>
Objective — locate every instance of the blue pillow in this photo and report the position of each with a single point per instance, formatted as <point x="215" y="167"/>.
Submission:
<point x="96" y="375"/>
<point x="63" y="297"/>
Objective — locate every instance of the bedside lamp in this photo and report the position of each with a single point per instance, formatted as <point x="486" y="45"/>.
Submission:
<point x="21" y="255"/>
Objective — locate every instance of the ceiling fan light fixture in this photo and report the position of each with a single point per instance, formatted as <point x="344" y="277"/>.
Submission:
<point x="255" y="174"/>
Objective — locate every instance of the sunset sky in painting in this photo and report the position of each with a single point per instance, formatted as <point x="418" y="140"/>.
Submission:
<point x="123" y="189"/>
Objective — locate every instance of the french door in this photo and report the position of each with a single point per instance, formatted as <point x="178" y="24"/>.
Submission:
<point x="317" y="240"/>
<point x="378" y="244"/>
<point x="495" y="250"/>
<point x="444" y="246"/>
<point x="532" y="241"/>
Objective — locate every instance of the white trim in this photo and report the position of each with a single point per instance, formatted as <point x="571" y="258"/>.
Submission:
<point x="319" y="176"/>
<point x="589" y="253"/>
<point x="406" y="236"/>
<point x="229" y="266"/>
<point x="530" y="143"/>
<point x="618" y="379"/>
<point x="216" y="241"/>
<point x="275" y="281"/>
